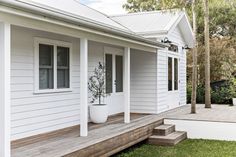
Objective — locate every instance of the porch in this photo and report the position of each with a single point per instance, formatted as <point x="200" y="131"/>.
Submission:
<point x="102" y="140"/>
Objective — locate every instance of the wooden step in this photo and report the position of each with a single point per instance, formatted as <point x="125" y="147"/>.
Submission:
<point x="169" y="140"/>
<point x="164" y="130"/>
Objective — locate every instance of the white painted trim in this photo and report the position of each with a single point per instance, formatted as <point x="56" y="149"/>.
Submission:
<point x="55" y="43"/>
<point x="127" y="84"/>
<point x="83" y="87"/>
<point x="5" y="105"/>
<point x="205" y="129"/>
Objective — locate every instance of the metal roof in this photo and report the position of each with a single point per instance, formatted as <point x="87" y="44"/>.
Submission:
<point x="158" y="23"/>
<point x="144" y="22"/>
<point x="70" y="11"/>
<point x="75" y="8"/>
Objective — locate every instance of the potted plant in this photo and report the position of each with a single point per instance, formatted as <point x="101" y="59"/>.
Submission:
<point x="96" y="85"/>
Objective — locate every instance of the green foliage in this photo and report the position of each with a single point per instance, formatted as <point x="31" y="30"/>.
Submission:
<point x="187" y="148"/>
<point x="219" y="95"/>
<point x="96" y="83"/>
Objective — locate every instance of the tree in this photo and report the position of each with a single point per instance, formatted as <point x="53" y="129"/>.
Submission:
<point x="96" y="84"/>
<point x="194" y="69"/>
<point x="207" y="56"/>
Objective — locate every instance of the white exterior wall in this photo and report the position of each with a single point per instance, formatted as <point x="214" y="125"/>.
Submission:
<point x="143" y="82"/>
<point x="165" y="98"/>
<point x="39" y="113"/>
<point x="162" y="81"/>
<point x="176" y="37"/>
<point x="183" y="78"/>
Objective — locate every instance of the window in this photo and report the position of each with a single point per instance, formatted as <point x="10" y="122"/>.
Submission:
<point x="108" y="60"/>
<point x="52" y="65"/>
<point x="176" y="74"/>
<point x="63" y="67"/>
<point x="173" y="76"/>
<point x="170" y="74"/>
<point x="119" y="73"/>
<point x="45" y="66"/>
<point x="173" y="48"/>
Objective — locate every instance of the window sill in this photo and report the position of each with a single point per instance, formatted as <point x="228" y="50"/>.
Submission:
<point x="52" y="91"/>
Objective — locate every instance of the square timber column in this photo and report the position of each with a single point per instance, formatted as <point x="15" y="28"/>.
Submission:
<point x="83" y="87"/>
<point x="5" y="106"/>
<point x="127" y="84"/>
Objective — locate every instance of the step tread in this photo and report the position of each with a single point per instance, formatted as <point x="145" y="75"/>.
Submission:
<point x="164" y="126"/>
<point x="171" y="136"/>
<point x="168" y="140"/>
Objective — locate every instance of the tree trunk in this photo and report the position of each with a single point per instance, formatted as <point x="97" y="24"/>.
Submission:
<point x="207" y="56"/>
<point x="194" y="71"/>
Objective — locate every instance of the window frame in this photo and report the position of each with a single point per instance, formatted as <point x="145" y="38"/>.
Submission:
<point x="55" y="43"/>
<point x="173" y="55"/>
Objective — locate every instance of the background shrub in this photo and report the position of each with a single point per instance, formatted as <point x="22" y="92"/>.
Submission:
<point x="221" y="94"/>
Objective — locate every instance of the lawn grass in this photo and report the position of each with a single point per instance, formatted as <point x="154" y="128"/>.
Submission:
<point x="187" y="148"/>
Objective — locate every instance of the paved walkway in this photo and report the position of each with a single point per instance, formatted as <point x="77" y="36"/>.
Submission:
<point x="218" y="113"/>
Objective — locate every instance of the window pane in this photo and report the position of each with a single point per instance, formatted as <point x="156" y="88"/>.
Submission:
<point x="63" y="78"/>
<point x="173" y="48"/>
<point x="45" y="66"/>
<point x="63" y="67"/>
<point x="45" y="78"/>
<point x="108" y="60"/>
<point x="119" y="73"/>
<point x="169" y="73"/>
<point x="45" y="55"/>
<point x="63" y="56"/>
<point x="176" y="73"/>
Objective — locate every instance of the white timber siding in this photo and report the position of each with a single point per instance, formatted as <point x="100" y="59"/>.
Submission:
<point x="143" y="82"/>
<point x="32" y="113"/>
<point x="162" y="81"/>
<point x="183" y="77"/>
<point x="177" y="37"/>
<point x="95" y="55"/>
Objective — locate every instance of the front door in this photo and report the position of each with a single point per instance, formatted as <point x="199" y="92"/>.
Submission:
<point x="114" y="80"/>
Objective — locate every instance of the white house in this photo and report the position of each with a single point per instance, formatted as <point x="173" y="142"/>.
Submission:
<point x="48" y="48"/>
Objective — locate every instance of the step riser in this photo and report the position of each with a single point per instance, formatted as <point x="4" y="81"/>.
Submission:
<point x="167" y="142"/>
<point x="164" y="132"/>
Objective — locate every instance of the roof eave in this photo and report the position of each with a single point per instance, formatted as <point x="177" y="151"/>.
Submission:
<point x="80" y="22"/>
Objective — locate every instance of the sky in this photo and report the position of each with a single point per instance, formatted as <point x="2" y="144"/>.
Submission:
<point x="109" y="7"/>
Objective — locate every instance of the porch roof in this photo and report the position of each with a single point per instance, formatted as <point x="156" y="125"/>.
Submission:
<point x="75" y="13"/>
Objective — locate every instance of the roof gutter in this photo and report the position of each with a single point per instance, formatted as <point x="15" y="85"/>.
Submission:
<point x="72" y="19"/>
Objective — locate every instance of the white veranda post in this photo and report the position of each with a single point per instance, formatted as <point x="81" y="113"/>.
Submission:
<point x="5" y="115"/>
<point x="83" y="87"/>
<point x="127" y="84"/>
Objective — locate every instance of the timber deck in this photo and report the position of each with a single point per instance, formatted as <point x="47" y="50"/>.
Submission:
<point x="103" y="140"/>
<point x="113" y="136"/>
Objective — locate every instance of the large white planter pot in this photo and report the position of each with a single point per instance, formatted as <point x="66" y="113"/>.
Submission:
<point x="98" y="113"/>
<point x="234" y="101"/>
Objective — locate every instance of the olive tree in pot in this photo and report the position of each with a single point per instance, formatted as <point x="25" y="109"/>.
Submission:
<point x="96" y="85"/>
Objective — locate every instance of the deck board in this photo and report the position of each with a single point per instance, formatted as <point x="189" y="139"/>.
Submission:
<point x="71" y="142"/>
